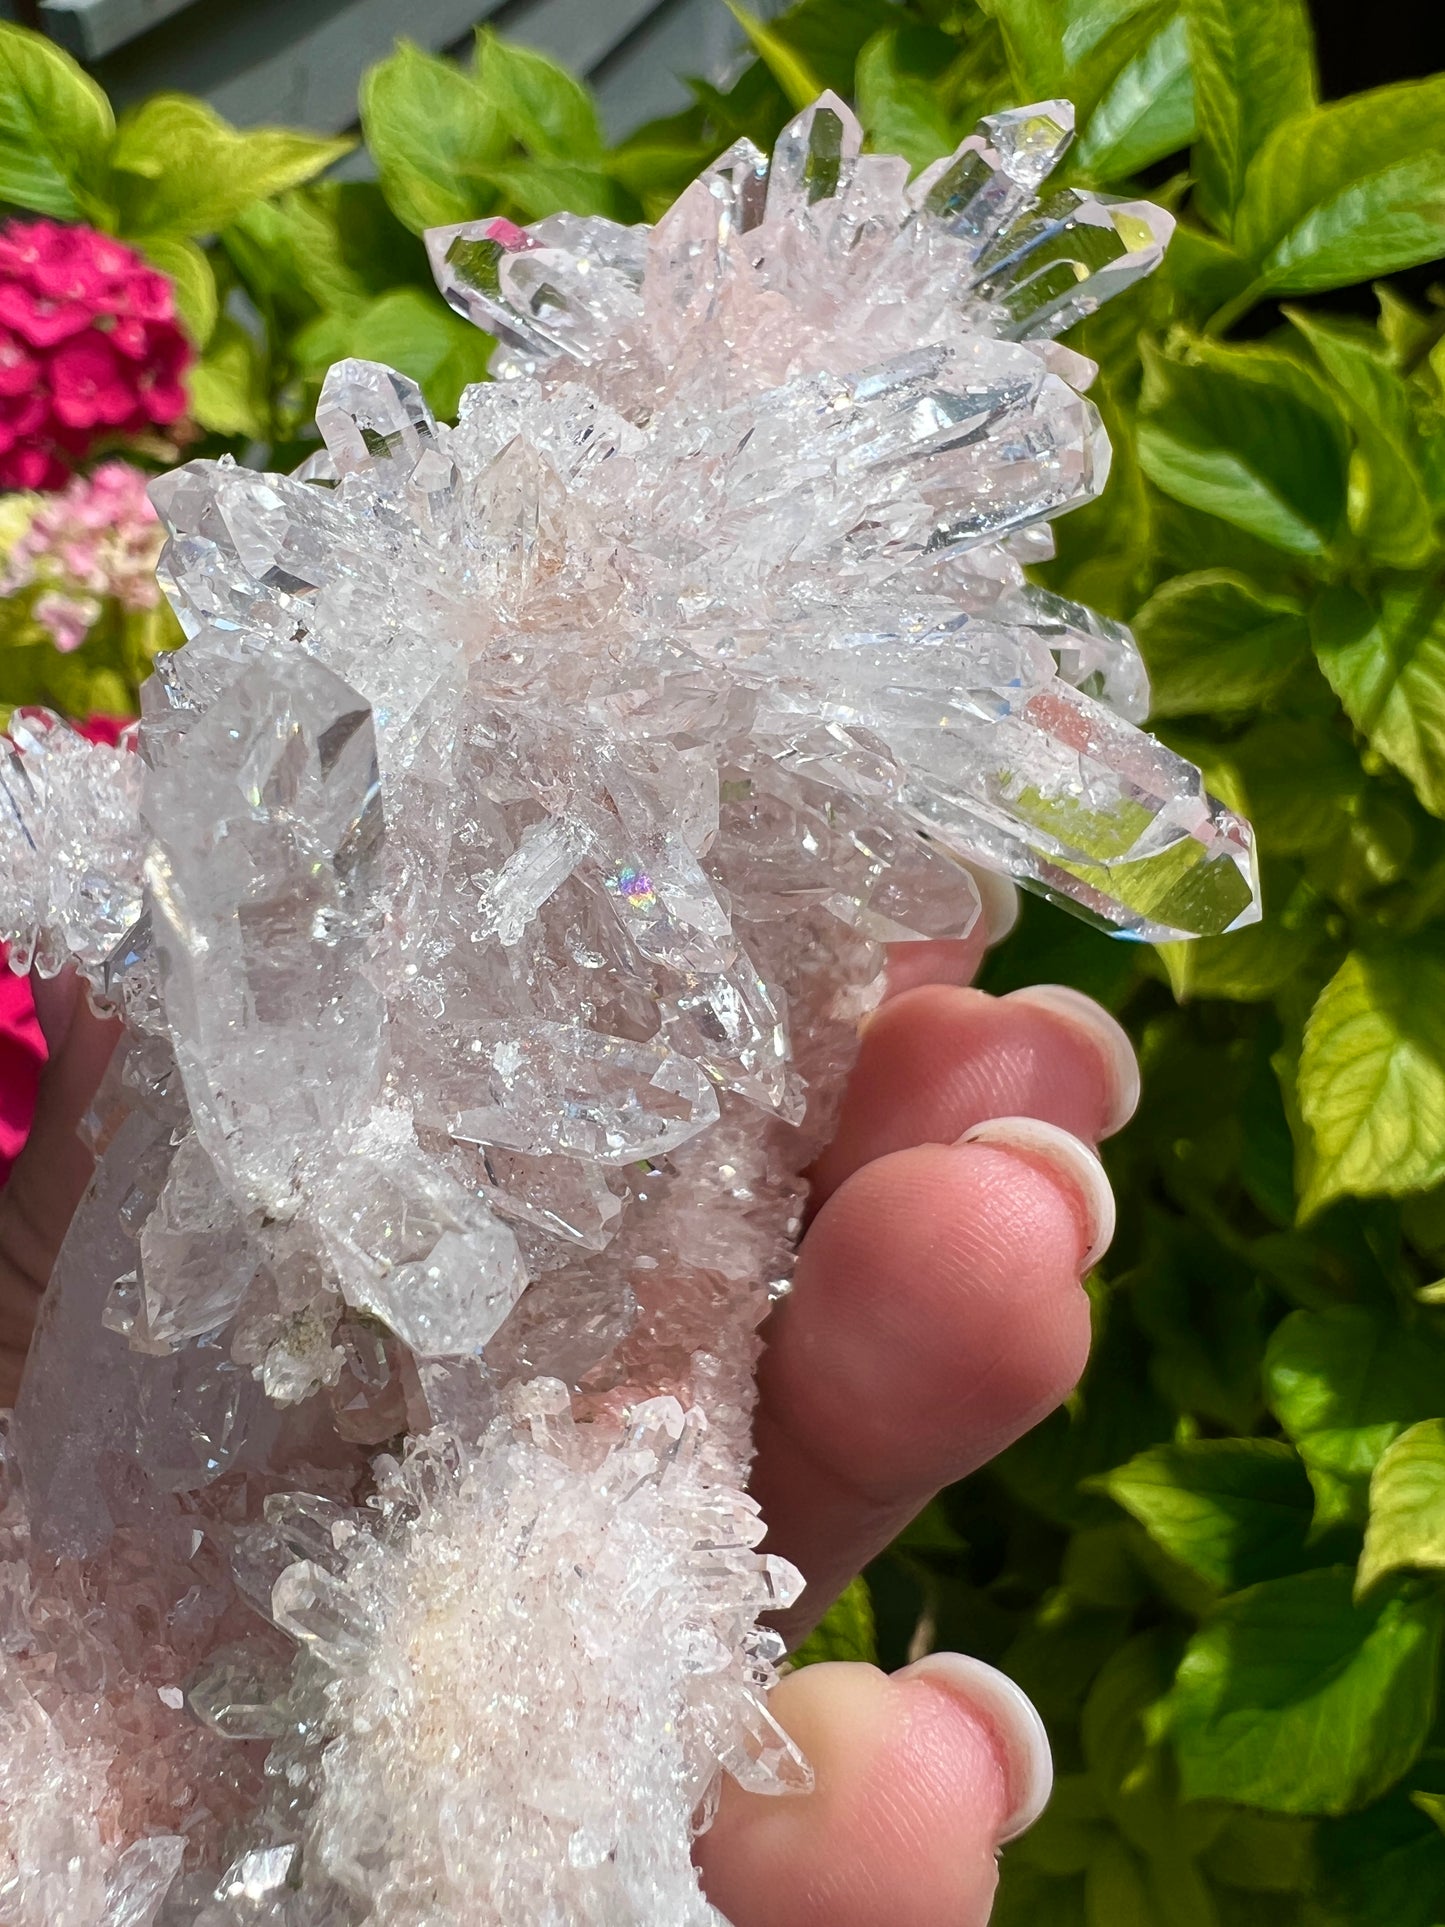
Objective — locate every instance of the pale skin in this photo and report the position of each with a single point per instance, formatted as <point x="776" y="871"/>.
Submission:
<point x="937" y="1314"/>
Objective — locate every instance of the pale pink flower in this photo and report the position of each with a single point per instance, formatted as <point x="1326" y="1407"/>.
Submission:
<point x="99" y="538"/>
<point x="68" y="618"/>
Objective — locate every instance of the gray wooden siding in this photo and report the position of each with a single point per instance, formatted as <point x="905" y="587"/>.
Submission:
<point x="299" y="61"/>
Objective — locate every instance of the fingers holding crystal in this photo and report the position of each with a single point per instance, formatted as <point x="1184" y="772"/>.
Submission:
<point x="937" y="1314"/>
<point x="955" y="960"/>
<point x="938" y="1059"/>
<point x="919" y="1779"/>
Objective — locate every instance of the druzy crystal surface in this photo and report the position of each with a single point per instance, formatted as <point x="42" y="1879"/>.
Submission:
<point x="491" y="897"/>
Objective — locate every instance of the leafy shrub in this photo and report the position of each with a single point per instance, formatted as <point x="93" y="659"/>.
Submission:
<point x="1219" y="1569"/>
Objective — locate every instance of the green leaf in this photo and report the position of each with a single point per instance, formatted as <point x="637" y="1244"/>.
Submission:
<point x="1381" y="1868"/>
<point x="788" y="67"/>
<point x="1245" y="434"/>
<point x="227" y="385"/>
<point x="409" y="330"/>
<point x="1385" y="660"/>
<point x="1372" y="1076"/>
<point x="897" y="105"/>
<point x="537" y="188"/>
<point x="1408" y="333"/>
<point x="1351" y="190"/>
<point x="830" y="34"/>
<point x="1233" y="1510"/>
<point x="655" y="173"/>
<point x="334" y="244"/>
<point x="1253" y="69"/>
<point x="1345" y="1383"/>
<point x="1390" y="509"/>
<point x="433" y="133"/>
<point x="1116" y="1888"/>
<point x="1147" y="112"/>
<point x="1068" y="1834"/>
<point x="1406" y="1527"/>
<point x="1027" y="1897"/>
<point x="1253" y="964"/>
<point x="1205" y="272"/>
<point x="845" y="1631"/>
<point x="1121" y="1703"/>
<point x="1097" y="1429"/>
<point x="55" y="129"/>
<point x="1200" y="1309"/>
<point x="194" y="279"/>
<point x="1302" y="783"/>
<point x="1294" y="1698"/>
<point x="543" y="106"/>
<point x="1069" y="48"/>
<point x="1263" y="1853"/>
<point x="182" y="170"/>
<point x="1214" y="644"/>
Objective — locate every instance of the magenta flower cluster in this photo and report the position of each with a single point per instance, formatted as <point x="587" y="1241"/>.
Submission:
<point x="89" y="348"/>
<point x="99" y="538"/>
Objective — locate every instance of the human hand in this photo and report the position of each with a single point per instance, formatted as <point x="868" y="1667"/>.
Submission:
<point x="937" y="1314"/>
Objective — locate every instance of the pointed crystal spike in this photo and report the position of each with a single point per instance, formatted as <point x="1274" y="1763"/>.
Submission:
<point x="1094" y="654"/>
<point x="143" y="1875"/>
<point x="263" y="876"/>
<point x="1064" y="261"/>
<point x="239" y="1694"/>
<point x="318" y="468"/>
<point x="991" y="178"/>
<point x="570" y="304"/>
<point x="196" y="1259"/>
<point x="738" y="179"/>
<point x="812" y="157"/>
<point x="466" y="261"/>
<point x="374" y="421"/>
<point x="1030" y="141"/>
<point x="1075" y="803"/>
<point x="321" y="1614"/>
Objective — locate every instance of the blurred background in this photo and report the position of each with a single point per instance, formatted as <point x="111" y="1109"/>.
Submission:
<point x="298" y="62"/>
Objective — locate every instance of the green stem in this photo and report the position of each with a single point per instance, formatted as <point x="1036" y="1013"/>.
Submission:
<point x="1225" y="317"/>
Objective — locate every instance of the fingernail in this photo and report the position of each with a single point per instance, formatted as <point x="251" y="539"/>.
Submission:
<point x="1012" y="1719"/>
<point x="1070" y="1159"/>
<point x="999" y="899"/>
<point x="1107" y="1035"/>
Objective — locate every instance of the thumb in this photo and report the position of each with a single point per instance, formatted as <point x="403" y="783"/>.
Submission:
<point x="921" y="1777"/>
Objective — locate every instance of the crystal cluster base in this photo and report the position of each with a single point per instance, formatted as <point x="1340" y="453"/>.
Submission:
<point x="491" y="899"/>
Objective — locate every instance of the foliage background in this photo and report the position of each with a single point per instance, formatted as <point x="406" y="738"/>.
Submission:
<point x="1220" y="1571"/>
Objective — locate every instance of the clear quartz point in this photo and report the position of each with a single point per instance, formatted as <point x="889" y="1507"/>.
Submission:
<point x="492" y="898"/>
<point x="374" y="419"/>
<point x="813" y="158"/>
<point x="1075" y="254"/>
<point x="238" y="1697"/>
<point x="1030" y="141"/>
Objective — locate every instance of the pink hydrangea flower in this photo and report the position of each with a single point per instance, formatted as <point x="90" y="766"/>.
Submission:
<point x="89" y="346"/>
<point x="22" y="1047"/>
<point x="68" y="618"/>
<point x="99" y="538"/>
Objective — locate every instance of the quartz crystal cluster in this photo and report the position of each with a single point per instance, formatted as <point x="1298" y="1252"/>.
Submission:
<point x="491" y="899"/>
